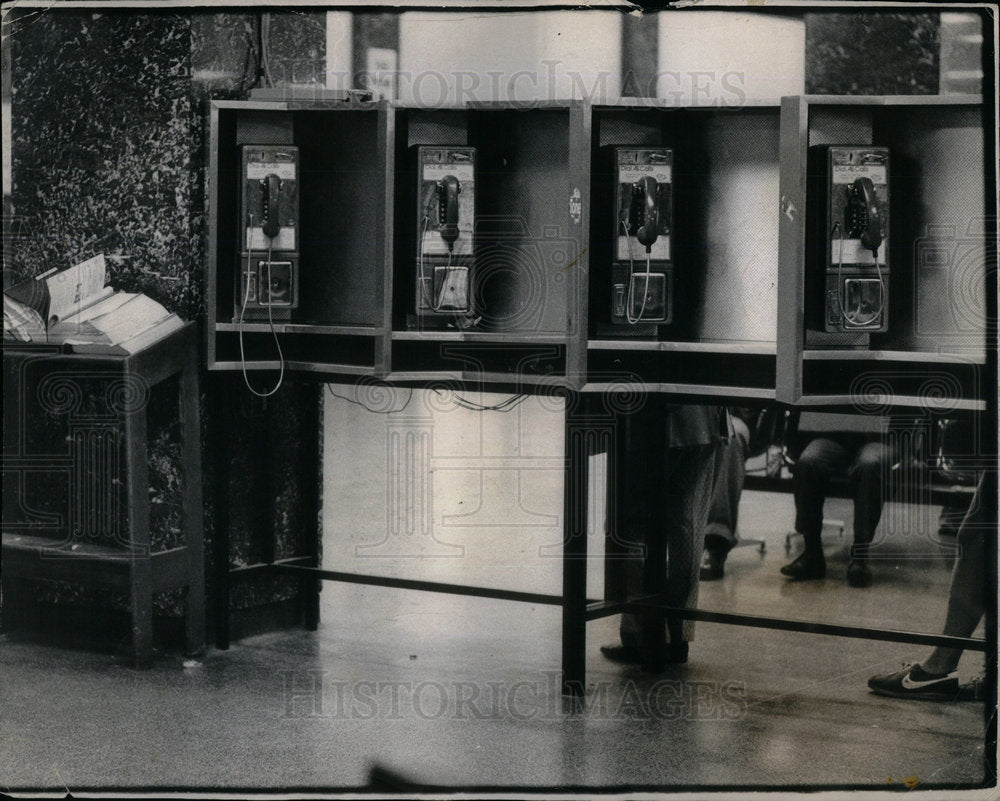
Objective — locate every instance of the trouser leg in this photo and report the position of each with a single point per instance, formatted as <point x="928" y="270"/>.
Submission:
<point x="685" y="502"/>
<point x="869" y="475"/>
<point x="640" y="489"/>
<point x="727" y="488"/>
<point x="821" y="458"/>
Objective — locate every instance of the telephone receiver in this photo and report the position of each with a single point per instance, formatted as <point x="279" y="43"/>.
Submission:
<point x="645" y="191"/>
<point x="863" y="213"/>
<point x="448" y="190"/>
<point x="271" y="202"/>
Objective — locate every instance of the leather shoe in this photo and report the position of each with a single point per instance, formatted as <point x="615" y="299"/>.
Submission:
<point x="858" y="574"/>
<point x="675" y="653"/>
<point x="806" y="566"/>
<point x="713" y="565"/>
<point x="623" y="654"/>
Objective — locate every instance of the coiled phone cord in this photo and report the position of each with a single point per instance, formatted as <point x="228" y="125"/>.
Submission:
<point x="270" y="320"/>
<point x="631" y="282"/>
<point x="437" y="308"/>
<point x="428" y="299"/>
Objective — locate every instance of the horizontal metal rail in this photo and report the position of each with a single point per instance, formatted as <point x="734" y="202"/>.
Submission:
<point x="416" y="584"/>
<point x="599" y="609"/>
<point x="247" y="570"/>
<point x="606" y="608"/>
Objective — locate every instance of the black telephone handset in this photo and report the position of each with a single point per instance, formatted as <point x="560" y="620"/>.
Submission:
<point x="271" y="205"/>
<point x="649" y="227"/>
<point x="448" y="190"/>
<point x="863" y="215"/>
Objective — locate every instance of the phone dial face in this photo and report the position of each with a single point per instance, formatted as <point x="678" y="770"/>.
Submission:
<point x="270" y="197"/>
<point x="859" y="198"/>
<point x="641" y="269"/>
<point x="645" y="190"/>
<point x="447" y="200"/>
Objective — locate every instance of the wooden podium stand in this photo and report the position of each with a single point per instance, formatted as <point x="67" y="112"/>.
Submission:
<point x="96" y="533"/>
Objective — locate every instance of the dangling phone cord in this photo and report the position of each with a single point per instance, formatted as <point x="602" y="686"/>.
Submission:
<point x="631" y="282"/>
<point x="428" y="298"/>
<point x="270" y="320"/>
<point x="854" y="320"/>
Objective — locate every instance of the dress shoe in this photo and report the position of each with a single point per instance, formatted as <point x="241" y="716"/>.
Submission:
<point x="859" y="574"/>
<point x="713" y="565"/>
<point x="806" y="566"/>
<point x="675" y="653"/>
<point x="623" y="654"/>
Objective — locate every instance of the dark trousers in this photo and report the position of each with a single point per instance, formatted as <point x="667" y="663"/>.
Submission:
<point x="730" y="473"/>
<point x="675" y="493"/>
<point x="867" y="464"/>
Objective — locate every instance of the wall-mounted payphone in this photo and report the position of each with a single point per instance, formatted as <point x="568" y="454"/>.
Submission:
<point x="445" y="216"/>
<point x="267" y="285"/>
<point x="852" y="207"/>
<point x="642" y="268"/>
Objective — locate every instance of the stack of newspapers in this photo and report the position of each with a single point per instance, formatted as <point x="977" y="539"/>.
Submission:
<point x="74" y="309"/>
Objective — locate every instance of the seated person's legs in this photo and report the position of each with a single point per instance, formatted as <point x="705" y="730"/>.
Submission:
<point x="723" y="513"/>
<point x="869" y="474"/>
<point x="820" y="459"/>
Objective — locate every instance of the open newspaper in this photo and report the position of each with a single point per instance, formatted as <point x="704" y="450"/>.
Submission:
<point x="75" y="309"/>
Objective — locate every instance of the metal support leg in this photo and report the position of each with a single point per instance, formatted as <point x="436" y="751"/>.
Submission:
<point x="574" y="617"/>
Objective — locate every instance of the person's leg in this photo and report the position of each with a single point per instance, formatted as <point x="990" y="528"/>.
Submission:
<point x="966" y="595"/>
<point x="640" y="490"/>
<point x="820" y="459"/>
<point x="932" y="678"/>
<point x="869" y="476"/>
<point x="687" y="495"/>
<point x="727" y="486"/>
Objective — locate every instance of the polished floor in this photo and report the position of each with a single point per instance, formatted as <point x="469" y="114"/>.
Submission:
<point x="400" y="689"/>
<point x="442" y="690"/>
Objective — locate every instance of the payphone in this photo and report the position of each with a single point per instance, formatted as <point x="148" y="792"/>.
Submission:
<point x="445" y="216"/>
<point x="642" y="266"/>
<point x="267" y="285"/>
<point x="851" y="207"/>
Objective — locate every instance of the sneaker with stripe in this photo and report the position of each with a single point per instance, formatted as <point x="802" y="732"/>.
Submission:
<point x="914" y="682"/>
